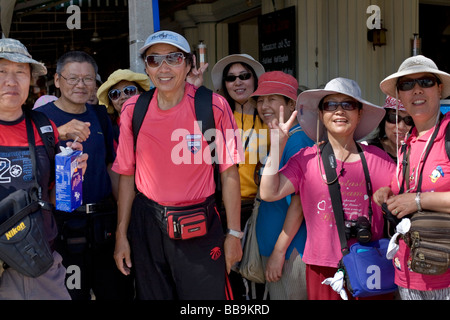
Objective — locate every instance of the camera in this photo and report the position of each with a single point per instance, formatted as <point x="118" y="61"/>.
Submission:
<point x="359" y="229"/>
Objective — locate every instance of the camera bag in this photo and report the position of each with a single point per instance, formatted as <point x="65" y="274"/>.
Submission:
<point x="23" y="244"/>
<point x="429" y="235"/>
<point x="367" y="270"/>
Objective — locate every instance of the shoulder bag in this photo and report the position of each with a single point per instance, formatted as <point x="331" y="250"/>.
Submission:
<point x="367" y="270"/>
<point x="23" y="244"/>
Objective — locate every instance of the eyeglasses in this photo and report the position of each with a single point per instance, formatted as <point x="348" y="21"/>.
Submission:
<point x="172" y="59"/>
<point x="127" y="91"/>
<point x="409" y="84"/>
<point x="88" y="81"/>
<point x="242" y="76"/>
<point x="391" y="118"/>
<point x="346" y="105"/>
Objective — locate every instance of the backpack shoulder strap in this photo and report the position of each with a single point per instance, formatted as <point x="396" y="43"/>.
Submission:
<point x="203" y="109"/>
<point x="140" y="109"/>
<point x="205" y="117"/>
<point x="45" y="130"/>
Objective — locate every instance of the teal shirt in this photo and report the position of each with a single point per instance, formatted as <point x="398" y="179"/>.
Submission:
<point x="271" y="215"/>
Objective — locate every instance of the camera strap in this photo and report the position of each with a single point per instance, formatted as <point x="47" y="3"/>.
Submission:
<point x="335" y="190"/>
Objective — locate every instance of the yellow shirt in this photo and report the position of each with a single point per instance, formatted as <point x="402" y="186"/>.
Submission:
<point x="255" y="141"/>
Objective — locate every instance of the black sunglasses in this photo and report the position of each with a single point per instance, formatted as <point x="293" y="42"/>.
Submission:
<point x="391" y="118"/>
<point x="242" y="76"/>
<point x="128" y="91"/>
<point x="346" y="105"/>
<point x="409" y="84"/>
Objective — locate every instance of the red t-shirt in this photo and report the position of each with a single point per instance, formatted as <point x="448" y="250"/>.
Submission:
<point x="173" y="158"/>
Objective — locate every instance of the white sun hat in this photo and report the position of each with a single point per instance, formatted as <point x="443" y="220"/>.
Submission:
<point x="413" y="65"/>
<point x="308" y="109"/>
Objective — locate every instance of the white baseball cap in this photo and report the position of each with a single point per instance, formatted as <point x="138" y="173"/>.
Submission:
<point x="168" y="37"/>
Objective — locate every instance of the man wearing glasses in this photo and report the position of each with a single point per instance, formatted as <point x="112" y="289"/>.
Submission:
<point x="85" y="240"/>
<point x="170" y="264"/>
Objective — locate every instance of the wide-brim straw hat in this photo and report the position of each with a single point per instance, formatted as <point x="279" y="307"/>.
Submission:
<point x="14" y="50"/>
<point x="217" y="70"/>
<point x="308" y="109"/>
<point x="414" y="65"/>
<point x="121" y="74"/>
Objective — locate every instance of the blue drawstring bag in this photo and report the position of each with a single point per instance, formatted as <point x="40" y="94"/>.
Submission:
<point x="367" y="270"/>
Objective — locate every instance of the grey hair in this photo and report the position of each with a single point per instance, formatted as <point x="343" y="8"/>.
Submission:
<point x="75" y="56"/>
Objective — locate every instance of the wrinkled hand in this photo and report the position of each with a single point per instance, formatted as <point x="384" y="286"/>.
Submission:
<point x="74" y="129"/>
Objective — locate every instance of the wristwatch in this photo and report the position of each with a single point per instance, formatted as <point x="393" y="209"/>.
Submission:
<point x="234" y="233"/>
<point x="419" y="207"/>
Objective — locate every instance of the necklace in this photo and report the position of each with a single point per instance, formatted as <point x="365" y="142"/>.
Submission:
<point x="333" y="164"/>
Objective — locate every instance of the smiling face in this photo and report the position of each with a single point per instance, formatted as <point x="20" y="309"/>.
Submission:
<point x="422" y="104"/>
<point x="340" y="122"/>
<point x="14" y="84"/>
<point x="168" y="79"/>
<point x="269" y="107"/>
<point x="81" y="92"/>
<point x="240" y="90"/>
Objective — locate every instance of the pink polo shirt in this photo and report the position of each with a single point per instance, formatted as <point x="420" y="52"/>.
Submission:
<point x="436" y="178"/>
<point x="323" y="247"/>
<point x="173" y="158"/>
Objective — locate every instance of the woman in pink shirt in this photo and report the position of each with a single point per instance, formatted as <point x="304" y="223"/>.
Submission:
<point x="339" y="116"/>
<point x="420" y="85"/>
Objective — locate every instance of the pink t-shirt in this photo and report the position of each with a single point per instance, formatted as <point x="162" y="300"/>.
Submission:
<point x="323" y="247"/>
<point x="436" y="178"/>
<point x="173" y="158"/>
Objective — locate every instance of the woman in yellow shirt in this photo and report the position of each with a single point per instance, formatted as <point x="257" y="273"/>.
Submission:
<point x="236" y="78"/>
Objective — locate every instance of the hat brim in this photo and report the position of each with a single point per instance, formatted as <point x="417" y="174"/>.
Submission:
<point x="122" y="74"/>
<point x="144" y="48"/>
<point x="389" y="84"/>
<point x="308" y="114"/>
<point x="37" y="68"/>
<point x="217" y="70"/>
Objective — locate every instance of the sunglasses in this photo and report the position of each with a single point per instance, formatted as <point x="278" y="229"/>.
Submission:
<point x="408" y="120"/>
<point x="172" y="59"/>
<point x="409" y="84"/>
<point x="127" y="91"/>
<point x="242" y="76"/>
<point x="346" y="105"/>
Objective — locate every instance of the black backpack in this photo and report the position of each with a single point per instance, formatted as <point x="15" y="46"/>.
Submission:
<point x="204" y="114"/>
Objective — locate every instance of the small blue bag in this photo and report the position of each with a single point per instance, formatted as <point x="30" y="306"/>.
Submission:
<point x="367" y="270"/>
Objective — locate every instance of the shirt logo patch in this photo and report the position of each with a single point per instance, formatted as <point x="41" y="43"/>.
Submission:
<point x="194" y="142"/>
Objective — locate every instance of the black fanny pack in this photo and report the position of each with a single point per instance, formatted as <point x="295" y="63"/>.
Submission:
<point x="185" y="222"/>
